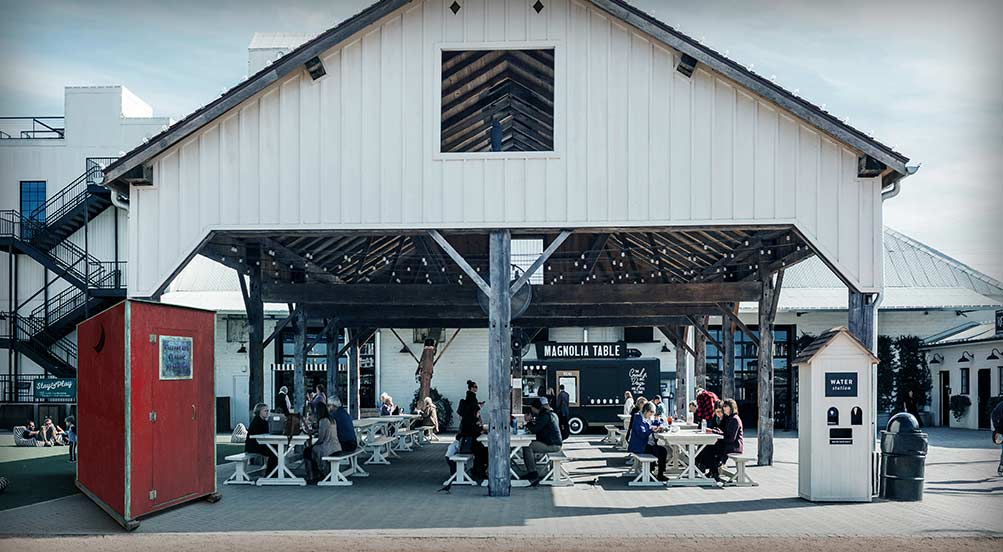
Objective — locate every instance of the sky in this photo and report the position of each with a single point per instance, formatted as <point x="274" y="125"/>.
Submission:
<point x="923" y="76"/>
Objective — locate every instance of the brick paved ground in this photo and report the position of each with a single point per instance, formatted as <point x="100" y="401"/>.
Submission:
<point x="963" y="498"/>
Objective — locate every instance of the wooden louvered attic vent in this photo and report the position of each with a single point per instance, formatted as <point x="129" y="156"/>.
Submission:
<point x="497" y="100"/>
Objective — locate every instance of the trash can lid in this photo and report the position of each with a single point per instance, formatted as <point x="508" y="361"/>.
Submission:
<point x="903" y="422"/>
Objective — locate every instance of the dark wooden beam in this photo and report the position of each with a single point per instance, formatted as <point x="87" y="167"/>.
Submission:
<point x="321" y="335"/>
<point x="405" y="345"/>
<point x="682" y="391"/>
<point x="331" y="335"/>
<point x="862" y="318"/>
<point x="461" y="262"/>
<point x="733" y="316"/>
<point x="671" y="332"/>
<point x="279" y="327"/>
<point x="255" y="308"/>
<point x="764" y="430"/>
<point x="445" y="295"/>
<point x="499" y="364"/>
<point x="299" y="359"/>
<point x="700" y="344"/>
<point x="728" y="353"/>
<point x="554" y="245"/>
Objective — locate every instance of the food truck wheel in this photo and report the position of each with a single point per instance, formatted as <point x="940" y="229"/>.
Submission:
<point x="576" y="425"/>
<point x="131" y="525"/>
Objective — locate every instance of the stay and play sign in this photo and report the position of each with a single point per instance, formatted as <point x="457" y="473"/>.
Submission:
<point x="840" y="384"/>
<point x="55" y="389"/>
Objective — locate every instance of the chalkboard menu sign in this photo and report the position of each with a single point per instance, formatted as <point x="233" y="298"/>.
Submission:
<point x="840" y="384"/>
<point x="175" y="357"/>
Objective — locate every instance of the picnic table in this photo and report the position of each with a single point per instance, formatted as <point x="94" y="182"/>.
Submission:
<point x="692" y="442"/>
<point x="281" y="445"/>
<point x="516" y="444"/>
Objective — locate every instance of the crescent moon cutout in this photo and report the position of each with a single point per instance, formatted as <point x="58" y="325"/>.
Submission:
<point x="100" y="344"/>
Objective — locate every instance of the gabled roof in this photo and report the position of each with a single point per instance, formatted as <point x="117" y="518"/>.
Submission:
<point x="671" y="37"/>
<point x="917" y="277"/>
<point x="827" y="338"/>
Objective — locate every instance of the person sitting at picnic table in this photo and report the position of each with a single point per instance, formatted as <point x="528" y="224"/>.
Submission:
<point x="691" y="411"/>
<point x="714" y="456"/>
<point x="30" y="432"/>
<point x="544" y="424"/>
<point x="634" y="414"/>
<point x="325" y="444"/>
<point x="429" y="415"/>
<point x="715" y="421"/>
<point x="642" y="440"/>
<point x="259" y="426"/>
<point x="344" y="426"/>
<point x="319" y="399"/>
<point x="705" y="405"/>
<point x="471" y="427"/>
<point x="628" y="403"/>
<point x="659" y="407"/>
<point x="387" y="406"/>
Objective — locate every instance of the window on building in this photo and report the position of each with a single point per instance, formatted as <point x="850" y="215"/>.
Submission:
<point x="32" y="197"/>
<point x="639" y="335"/>
<point x="236" y="329"/>
<point x="964" y="381"/>
<point x="497" y="101"/>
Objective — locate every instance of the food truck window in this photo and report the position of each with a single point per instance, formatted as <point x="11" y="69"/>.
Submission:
<point x="569" y="379"/>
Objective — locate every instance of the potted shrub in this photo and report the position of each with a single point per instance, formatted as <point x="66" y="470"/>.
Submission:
<point x="959" y="406"/>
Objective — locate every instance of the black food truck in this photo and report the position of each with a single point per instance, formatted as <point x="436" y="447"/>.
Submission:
<point x="595" y="375"/>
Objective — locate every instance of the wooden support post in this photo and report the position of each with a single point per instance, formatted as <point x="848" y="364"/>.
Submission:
<point x="863" y="317"/>
<point x="700" y="362"/>
<point x="499" y="364"/>
<point x="728" y="356"/>
<point x="299" y="360"/>
<point x="764" y="431"/>
<point x="255" y="308"/>
<point x="354" y="373"/>
<point x="331" y="337"/>
<point x="682" y="334"/>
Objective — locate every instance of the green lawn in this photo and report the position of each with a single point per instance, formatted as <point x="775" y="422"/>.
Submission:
<point x="39" y="474"/>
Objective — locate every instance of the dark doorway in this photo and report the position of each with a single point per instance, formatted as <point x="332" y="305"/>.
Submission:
<point x="945" y="398"/>
<point x="984" y="381"/>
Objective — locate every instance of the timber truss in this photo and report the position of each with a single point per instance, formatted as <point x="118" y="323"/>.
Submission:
<point x="590" y="278"/>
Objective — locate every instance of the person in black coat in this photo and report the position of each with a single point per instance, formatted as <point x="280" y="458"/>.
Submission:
<point x="471" y="427"/>
<point x="563" y="410"/>
<point x="259" y="426"/>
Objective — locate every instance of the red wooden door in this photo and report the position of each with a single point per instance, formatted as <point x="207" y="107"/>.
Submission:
<point x="176" y="438"/>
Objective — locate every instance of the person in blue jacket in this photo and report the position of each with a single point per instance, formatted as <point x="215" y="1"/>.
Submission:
<point x="642" y="439"/>
<point x="344" y="424"/>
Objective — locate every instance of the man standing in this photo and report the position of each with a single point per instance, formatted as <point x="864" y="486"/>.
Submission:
<point x="706" y="400"/>
<point x="563" y="408"/>
<point x="997" y="419"/>
<point x="544" y="425"/>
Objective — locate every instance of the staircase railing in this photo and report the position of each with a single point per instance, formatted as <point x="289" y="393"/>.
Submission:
<point x="30" y="334"/>
<point x="69" y="257"/>
<point x="74" y="194"/>
<point x="71" y="298"/>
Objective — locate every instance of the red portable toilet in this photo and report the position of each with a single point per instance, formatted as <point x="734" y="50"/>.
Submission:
<point x="145" y="408"/>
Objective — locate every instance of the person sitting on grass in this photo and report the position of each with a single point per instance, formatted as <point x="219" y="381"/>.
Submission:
<point x="52" y="433"/>
<point x="344" y="426"/>
<point x="714" y="456"/>
<point x="259" y="426"/>
<point x="31" y="432"/>
<point x="642" y="439"/>
<point x="544" y="424"/>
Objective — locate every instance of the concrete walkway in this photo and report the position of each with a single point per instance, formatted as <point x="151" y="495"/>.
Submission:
<point x="964" y="498"/>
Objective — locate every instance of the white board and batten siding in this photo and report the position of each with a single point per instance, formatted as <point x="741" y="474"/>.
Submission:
<point x="637" y="144"/>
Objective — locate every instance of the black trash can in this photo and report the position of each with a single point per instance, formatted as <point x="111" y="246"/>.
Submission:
<point x="903" y="459"/>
